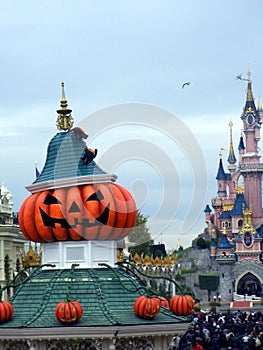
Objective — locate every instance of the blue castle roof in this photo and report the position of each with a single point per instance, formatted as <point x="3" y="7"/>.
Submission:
<point x="224" y="243"/>
<point x="239" y="206"/>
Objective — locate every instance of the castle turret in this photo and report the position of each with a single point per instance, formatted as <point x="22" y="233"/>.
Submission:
<point x="231" y="156"/>
<point x="221" y="177"/>
<point x="250" y="166"/>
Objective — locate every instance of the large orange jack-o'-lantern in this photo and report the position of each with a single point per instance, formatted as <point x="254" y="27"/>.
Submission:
<point x="89" y="212"/>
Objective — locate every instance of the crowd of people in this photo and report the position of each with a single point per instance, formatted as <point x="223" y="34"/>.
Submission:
<point x="239" y="330"/>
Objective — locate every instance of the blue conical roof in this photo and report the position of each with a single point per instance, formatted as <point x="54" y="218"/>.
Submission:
<point x="224" y="243"/>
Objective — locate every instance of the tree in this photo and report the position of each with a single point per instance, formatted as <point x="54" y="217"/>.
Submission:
<point x="201" y="243"/>
<point x="140" y="239"/>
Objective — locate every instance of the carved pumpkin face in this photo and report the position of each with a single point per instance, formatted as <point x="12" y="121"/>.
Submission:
<point x="91" y="212"/>
<point x="68" y="312"/>
<point x="147" y="307"/>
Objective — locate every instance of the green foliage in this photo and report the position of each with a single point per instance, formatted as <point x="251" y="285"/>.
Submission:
<point x="201" y="243"/>
<point x="187" y="290"/>
<point x="209" y="281"/>
<point x="140" y="238"/>
<point x="161" y="290"/>
<point x="185" y="272"/>
<point x="7" y="268"/>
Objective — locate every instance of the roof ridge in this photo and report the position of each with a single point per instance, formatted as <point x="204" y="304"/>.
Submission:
<point x="45" y="298"/>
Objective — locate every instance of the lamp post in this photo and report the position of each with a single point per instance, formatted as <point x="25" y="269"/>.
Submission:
<point x="216" y="302"/>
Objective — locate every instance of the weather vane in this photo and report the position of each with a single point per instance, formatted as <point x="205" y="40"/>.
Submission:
<point x="221" y="152"/>
<point x="239" y="77"/>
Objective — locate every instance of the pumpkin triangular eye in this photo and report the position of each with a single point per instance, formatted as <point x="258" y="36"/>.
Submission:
<point x="97" y="196"/>
<point x="51" y="200"/>
<point x="74" y="208"/>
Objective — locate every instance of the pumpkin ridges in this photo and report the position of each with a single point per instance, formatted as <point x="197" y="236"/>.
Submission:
<point x="9" y="309"/>
<point x="126" y="213"/>
<point x="29" y="218"/>
<point x="68" y="311"/>
<point x="21" y="222"/>
<point x="3" y="313"/>
<point x="190" y="300"/>
<point x="60" y="233"/>
<point x="120" y="205"/>
<point x="181" y="304"/>
<point x="79" y="308"/>
<point x="120" y="212"/>
<point x="6" y="311"/>
<point x="104" y="219"/>
<point x="91" y="212"/>
<point x="106" y="230"/>
<point x="130" y="211"/>
<point x="46" y="231"/>
<point x="141" y="306"/>
<point x="164" y="302"/>
<point x="130" y="207"/>
<point x="146" y="307"/>
<point x="73" y="195"/>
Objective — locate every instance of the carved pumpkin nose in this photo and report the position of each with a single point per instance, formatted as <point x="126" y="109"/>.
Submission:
<point x="74" y="208"/>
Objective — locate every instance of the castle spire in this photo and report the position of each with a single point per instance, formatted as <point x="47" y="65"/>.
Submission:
<point x="231" y="157"/>
<point x="250" y="114"/>
<point x="64" y="118"/>
<point x="249" y="86"/>
<point x="259" y="104"/>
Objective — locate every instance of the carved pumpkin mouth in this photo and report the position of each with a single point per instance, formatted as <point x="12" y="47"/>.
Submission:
<point x="101" y="220"/>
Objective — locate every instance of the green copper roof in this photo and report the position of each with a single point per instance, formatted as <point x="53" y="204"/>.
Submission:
<point x="65" y="159"/>
<point x="107" y="296"/>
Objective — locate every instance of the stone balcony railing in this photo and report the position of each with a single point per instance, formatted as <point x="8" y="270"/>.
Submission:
<point x="241" y="297"/>
<point x="251" y="167"/>
<point x="5" y="209"/>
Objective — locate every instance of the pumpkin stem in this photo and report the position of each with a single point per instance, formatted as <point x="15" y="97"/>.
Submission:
<point x="71" y="276"/>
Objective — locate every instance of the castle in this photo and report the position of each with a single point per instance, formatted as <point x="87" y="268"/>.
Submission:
<point x="234" y="224"/>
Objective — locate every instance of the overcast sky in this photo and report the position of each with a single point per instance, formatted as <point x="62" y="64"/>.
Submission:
<point x="123" y="64"/>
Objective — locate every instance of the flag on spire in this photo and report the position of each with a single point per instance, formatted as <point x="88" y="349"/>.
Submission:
<point x="37" y="172"/>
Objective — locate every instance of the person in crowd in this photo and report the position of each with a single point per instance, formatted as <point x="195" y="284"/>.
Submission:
<point x="237" y="330"/>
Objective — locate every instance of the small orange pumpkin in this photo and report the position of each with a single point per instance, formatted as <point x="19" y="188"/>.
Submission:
<point x="164" y="302"/>
<point x="181" y="305"/>
<point x="147" y="307"/>
<point x="6" y="311"/>
<point x="89" y="212"/>
<point x="68" y="312"/>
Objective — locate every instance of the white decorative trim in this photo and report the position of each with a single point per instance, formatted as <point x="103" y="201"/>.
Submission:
<point x="87" y="254"/>
<point x="72" y="181"/>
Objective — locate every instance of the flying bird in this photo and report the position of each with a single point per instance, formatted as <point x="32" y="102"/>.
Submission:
<point x="239" y="77"/>
<point x="184" y="84"/>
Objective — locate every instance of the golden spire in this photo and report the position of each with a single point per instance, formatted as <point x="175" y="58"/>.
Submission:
<point x="249" y="86"/>
<point x="231" y="156"/>
<point x="64" y="118"/>
<point x="259" y="104"/>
